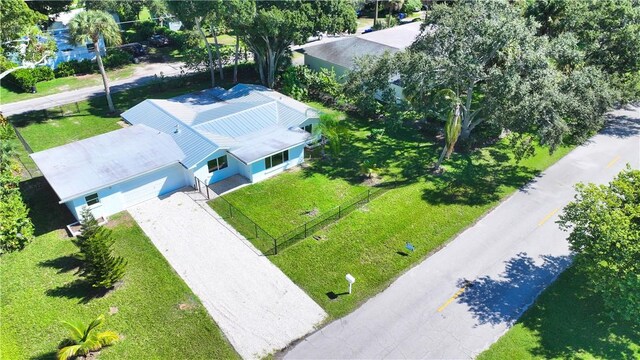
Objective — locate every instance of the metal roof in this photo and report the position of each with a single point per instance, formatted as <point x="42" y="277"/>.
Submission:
<point x="343" y="52"/>
<point x="222" y="119"/>
<point x="150" y="113"/>
<point x="85" y="166"/>
<point x="254" y="147"/>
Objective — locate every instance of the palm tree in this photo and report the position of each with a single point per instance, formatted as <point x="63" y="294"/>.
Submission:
<point x="332" y="130"/>
<point x="453" y="125"/>
<point x="91" y="25"/>
<point x="84" y="340"/>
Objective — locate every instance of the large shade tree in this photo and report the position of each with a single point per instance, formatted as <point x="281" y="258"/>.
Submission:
<point x="604" y="221"/>
<point x="277" y="25"/>
<point x="238" y="15"/>
<point x="92" y="25"/>
<point x="195" y="14"/>
<point x="20" y="37"/>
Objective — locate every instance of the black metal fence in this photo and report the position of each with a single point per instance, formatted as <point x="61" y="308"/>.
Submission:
<point x="270" y="245"/>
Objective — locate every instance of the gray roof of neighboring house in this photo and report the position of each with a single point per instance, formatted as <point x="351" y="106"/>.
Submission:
<point x="223" y="119"/>
<point x="343" y="52"/>
<point x="88" y="165"/>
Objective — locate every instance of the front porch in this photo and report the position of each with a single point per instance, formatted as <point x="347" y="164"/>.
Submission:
<point x="221" y="187"/>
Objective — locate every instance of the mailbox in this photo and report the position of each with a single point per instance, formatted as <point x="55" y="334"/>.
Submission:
<point x="350" y="280"/>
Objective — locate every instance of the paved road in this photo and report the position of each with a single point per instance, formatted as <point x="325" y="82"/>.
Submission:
<point x="460" y="300"/>
<point x="142" y="75"/>
<point x="258" y="307"/>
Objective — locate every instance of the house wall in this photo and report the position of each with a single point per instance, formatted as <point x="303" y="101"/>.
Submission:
<point x="67" y="50"/>
<point x="259" y="173"/>
<point x="118" y="197"/>
<point x="316" y="64"/>
<point x="201" y="170"/>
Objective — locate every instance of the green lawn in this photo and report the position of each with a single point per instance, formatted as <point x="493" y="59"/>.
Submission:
<point x="420" y="207"/>
<point x="9" y="94"/>
<point x="567" y="321"/>
<point x="298" y="196"/>
<point x="155" y="312"/>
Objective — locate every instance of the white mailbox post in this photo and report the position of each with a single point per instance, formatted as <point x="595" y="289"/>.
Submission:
<point x="350" y="280"/>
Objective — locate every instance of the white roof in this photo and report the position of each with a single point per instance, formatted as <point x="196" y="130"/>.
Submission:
<point x="88" y="165"/>
<point x="225" y="119"/>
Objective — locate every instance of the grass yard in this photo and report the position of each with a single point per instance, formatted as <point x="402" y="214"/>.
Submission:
<point x="154" y="311"/>
<point x="424" y="209"/>
<point x="299" y="197"/>
<point x="567" y="321"/>
<point x="9" y="94"/>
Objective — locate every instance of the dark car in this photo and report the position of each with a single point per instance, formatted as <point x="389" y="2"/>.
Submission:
<point x="158" y="41"/>
<point x="135" y="49"/>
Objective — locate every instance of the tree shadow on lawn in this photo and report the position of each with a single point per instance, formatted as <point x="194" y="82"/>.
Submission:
<point x="45" y="212"/>
<point x="572" y="319"/>
<point x="63" y="264"/>
<point x="51" y="355"/>
<point x="78" y="289"/>
<point x="396" y="154"/>
<point x="470" y="181"/>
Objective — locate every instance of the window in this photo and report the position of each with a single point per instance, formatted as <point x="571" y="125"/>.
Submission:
<point x="276" y="159"/>
<point x="217" y="164"/>
<point x="308" y="128"/>
<point x="91" y="46"/>
<point x="92" y="199"/>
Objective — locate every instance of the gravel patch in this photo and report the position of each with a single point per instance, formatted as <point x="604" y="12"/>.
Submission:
<point x="258" y="307"/>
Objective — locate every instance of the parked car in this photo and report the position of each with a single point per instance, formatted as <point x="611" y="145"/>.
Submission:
<point x="135" y="49"/>
<point x="158" y="40"/>
<point x="317" y="36"/>
<point x="367" y="30"/>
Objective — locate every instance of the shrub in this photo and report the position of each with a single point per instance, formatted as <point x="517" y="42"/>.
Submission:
<point x="16" y="229"/>
<point x="411" y="6"/>
<point x="83" y="67"/>
<point x="116" y="59"/>
<point x="64" y="69"/>
<point x="23" y="79"/>
<point x="43" y="73"/>
<point x="302" y="83"/>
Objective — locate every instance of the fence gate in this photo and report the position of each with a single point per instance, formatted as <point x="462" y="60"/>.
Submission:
<point x="202" y="187"/>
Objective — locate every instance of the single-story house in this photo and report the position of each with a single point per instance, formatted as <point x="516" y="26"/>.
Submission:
<point x="340" y="55"/>
<point x="202" y="137"/>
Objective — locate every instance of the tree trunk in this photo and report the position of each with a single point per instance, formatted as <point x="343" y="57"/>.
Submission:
<point x="235" y="61"/>
<point x="215" y="41"/>
<point x="441" y="158"/>
<point x="208" y="46"/>
<point x="105" y="80"/>
<point x="375" y="16"/>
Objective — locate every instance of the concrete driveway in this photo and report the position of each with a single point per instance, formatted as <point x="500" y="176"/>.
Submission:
<point x="460" y="300"/>
<point x="259" y="309"/>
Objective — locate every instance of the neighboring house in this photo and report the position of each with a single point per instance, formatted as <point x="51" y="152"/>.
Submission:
<point x="207" y="136"/>
<point x="67" y="50"/>
<point x="340" y="55"/>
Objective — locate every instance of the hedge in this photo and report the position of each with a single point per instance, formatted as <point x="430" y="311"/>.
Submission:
<point x="26" y="79"/>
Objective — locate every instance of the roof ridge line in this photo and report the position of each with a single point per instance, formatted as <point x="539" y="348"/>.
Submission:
<point x="183" y="123"/>
<point x="238" y="112"/>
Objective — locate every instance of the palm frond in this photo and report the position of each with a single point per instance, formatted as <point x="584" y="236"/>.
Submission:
<point x="69" y="352"/>
<point x="95" y="323"/>
<point x="107" y="338"/>
<point x="76" y="329"/>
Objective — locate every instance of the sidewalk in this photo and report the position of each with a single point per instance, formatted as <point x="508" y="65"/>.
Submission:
<point x="142" y="75"/>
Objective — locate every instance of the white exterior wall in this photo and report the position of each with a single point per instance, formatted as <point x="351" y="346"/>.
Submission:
<point x="259" y="173"/>
<point x="201" y="170"/>
<point x="118" y="197"/>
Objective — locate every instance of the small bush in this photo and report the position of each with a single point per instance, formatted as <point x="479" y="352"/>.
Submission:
<point x="64" y="69"/>
<point x="116" y="59"/>
<point x="43" y="73"/>
<point x="23" y="79"/>
<point x="411" y="6"/>
<point x="82" y="67"/>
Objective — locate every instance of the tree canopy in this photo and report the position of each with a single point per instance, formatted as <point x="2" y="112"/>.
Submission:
<point x="604" y="221"/>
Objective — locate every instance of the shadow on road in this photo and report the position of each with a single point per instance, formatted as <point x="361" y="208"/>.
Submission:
<point x="623" y="123"/>
<point x="503" y="299"/>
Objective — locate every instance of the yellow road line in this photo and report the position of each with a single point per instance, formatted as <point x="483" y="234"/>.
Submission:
<point x="548" y="216"/>
<point x="451" y="299"/>
<point x="612" y="162"/>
